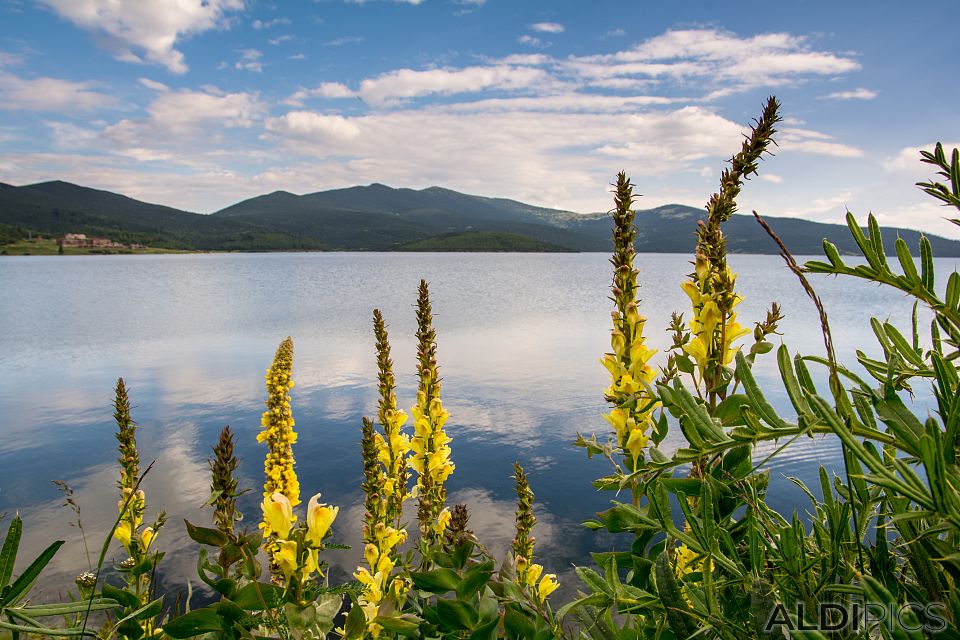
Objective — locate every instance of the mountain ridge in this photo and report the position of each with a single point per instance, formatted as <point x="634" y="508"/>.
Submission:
<point x="378" y="217"/>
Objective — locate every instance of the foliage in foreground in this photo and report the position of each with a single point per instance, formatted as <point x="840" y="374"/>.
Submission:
<point x="877" y="553"/>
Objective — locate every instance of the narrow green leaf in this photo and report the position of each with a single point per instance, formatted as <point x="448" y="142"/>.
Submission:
<point x="22" y="584"/>
<point x="8" y="555"/>
<point x="906" y="261"/>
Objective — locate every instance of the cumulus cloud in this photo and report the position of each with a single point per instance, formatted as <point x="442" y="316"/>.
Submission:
<point x="394" y="86"/>
<point x="184" y="119"/>
<point x="50" y="94"/>
<point x="807" y="141"/>
<point x="855" y="94"/>
<point x="148" y="29"/>
<point x="719" y="57"/>
<point x="547" y="27"/>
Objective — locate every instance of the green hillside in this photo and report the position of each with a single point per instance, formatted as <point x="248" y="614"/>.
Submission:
<point x="380" y="218"/>
<point x="483" y="241"/>
<point x="55" y="208"/>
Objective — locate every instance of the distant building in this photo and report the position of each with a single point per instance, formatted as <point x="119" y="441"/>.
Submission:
<point x="81" y="241"/>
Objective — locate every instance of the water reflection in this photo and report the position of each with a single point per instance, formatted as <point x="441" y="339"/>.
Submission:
<point x="520" y="337"/>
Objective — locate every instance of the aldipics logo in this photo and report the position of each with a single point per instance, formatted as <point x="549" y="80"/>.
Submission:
<point x="857" y="616"/>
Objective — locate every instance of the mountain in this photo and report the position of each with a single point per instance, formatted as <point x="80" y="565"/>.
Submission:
<point x="55" y="208"/>
<point x="380" y="218"/>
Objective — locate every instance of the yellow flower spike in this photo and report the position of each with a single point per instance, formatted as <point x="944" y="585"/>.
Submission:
<point x="286" y="557"/>
<point x="277" y="422"/>
<point x="278" y="515"/>
<point x="547" y="586"/>
<point x="320" y="517"/>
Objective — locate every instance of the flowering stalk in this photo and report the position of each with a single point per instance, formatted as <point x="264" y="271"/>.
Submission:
<point x="632" y="414"/>
<point x="385" y="487"/>
<point x="132" y="504"/>
<point x="711" y="287"/>
<point x="430" y="443"/>
<point x="394" y="445"/>
<point x="280" y="476"/>
<point x="223" y="485"/>
<point x="528" y="573"/>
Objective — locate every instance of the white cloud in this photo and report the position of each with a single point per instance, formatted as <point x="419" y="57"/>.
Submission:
<point x="807" y="141"/>
<point x="771" y="177"/>
<point x="323" y="90"/>
<point x="855" y="94"/>
<point x="266" y="24"/>
<point x="547" y="27"/>
<point x="532" y="41"/>
<point x="184" y="119"/>
<point x="153" y="28"/>
<point x="50" y="94"/>
<point x="527" y="154"/>
<point x="339" y="42"/>
<point x="153" y="84"/>
<point x="394" y="86"/>
<point x="908" y="163"/>
<point x="250" y="60"/>
<point x="280" y="39"/>
<point x="721" y="58"/>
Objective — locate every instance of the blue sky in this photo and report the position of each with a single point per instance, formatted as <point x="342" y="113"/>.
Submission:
<point x="200" y="104"/>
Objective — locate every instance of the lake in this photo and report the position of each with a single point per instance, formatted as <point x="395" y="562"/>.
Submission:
<point x="519" y="342"/>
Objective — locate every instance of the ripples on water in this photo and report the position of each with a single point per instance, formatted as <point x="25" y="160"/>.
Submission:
<point x="519" y="339"/>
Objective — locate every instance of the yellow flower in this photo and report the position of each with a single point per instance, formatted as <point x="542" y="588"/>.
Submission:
<point x="286" y="556"/>
<point x="443" y="520"/>
<point x="685" y="561"/>
<point x="319" y="519"/>
<point x="533" y="573"/>
<point x="277" y="515"/>
<point x="123" y="533"/>
<point x="147" y="537"/>
<point x="547" y="586"/>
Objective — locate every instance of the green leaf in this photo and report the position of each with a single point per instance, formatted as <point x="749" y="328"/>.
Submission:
<point x="44" y="610"/>
<point x="486" y="631"/>
<point x="436" y="581"/>
<point x="194" y="623"/>
<point x="204" y="535"/>
<point x="517" y="625"/>
<point x="255" y="595"/>
<point x="356" y="622"/>
<point x="405" y="625"/>
<point x="22" y="584"/>
<point x="474" y="579"/>
<point x="456" y="614"/>
<point x="8" y="555"/>
<point x="124" y="597"/>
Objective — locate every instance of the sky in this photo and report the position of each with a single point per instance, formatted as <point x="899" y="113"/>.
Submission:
<point x="198" y="104"/>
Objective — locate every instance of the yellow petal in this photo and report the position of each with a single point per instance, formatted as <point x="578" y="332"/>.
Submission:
<point x="319" y="518"/>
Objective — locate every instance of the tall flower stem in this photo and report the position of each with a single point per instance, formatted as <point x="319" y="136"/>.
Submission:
<point x="430" y="443"/>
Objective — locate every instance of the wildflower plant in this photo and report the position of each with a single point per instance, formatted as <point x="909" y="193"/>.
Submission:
<point x="385" y="489"/>
<point x="140" y="565"/>
<point x="430" y="443"/>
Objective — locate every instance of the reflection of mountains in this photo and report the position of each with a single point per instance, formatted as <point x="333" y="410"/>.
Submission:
<point x="380" y="218"/>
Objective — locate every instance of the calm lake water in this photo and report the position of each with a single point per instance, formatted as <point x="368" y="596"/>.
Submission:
<point x="519" y="339"/>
